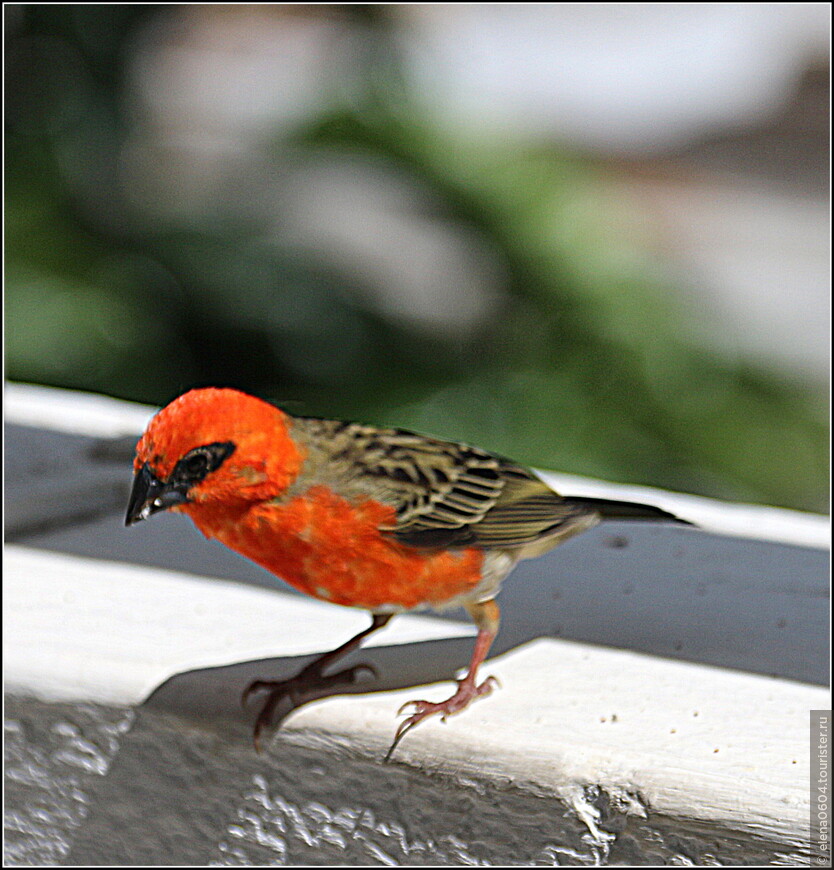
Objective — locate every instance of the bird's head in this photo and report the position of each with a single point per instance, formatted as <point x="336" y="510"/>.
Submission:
<point x="212" y="447"/>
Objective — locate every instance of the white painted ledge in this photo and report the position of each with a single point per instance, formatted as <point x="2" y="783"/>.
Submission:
<point x="79" y="629"/>
<point x="89" y="414"/>
<point x="74" y="412"/>
<point x="689" y="741"/>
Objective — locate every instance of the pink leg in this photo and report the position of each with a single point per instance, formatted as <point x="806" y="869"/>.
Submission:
<point x="486" y="616"/>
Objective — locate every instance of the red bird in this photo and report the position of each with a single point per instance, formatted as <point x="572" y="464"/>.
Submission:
<point x="381" y="519"/>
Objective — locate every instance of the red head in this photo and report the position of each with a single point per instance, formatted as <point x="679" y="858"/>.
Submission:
<point x="213" y="446"/>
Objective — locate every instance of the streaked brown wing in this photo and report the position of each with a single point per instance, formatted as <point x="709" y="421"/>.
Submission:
<point x="446" y="494"/>
<point x="525" y="511"/>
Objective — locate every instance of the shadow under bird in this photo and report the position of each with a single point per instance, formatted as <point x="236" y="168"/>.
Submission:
<point x="382" y="519"/>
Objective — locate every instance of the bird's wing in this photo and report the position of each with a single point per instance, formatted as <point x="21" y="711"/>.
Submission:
<point x="445" y="494"/>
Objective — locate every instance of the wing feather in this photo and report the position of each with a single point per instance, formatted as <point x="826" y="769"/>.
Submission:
<point x="446" y="494"/>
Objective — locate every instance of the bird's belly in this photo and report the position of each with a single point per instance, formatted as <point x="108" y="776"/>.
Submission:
<point x="332" y="549"/>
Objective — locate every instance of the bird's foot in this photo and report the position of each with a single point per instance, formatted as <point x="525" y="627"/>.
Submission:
<point x="466" y="693"/>
<point x="309" y="684"/>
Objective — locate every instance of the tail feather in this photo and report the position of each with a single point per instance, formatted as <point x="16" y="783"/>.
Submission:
<point x="625" y="510"/>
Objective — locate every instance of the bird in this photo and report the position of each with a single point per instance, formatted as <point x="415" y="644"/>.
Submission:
<point x="377" y="518"/>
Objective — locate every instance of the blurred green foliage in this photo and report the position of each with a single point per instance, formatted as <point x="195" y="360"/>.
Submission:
<point x="586" y="367"/>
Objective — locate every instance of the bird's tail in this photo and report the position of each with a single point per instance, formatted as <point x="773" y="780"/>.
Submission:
<point x="625" y="510"/>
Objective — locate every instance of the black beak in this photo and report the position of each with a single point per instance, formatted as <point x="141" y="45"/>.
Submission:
<point x="150" y="495"/>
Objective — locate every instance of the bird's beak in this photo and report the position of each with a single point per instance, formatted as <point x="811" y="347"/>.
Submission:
<point x="150" y="495"/>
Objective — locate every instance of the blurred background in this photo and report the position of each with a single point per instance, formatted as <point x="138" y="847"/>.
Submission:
<point x="594" y="238"/>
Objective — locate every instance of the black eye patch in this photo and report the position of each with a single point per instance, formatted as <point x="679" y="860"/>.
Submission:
<point x="200" y="461"/>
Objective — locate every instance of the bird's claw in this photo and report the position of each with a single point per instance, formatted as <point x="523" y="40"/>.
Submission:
<point x="253" y="687"/>
<point x="415" y="704"/>
<point x="463" y="697"/>
<point x="307" y="685"/>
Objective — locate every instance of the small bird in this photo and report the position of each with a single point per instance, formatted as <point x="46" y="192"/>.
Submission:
<point x="381" y="519"/>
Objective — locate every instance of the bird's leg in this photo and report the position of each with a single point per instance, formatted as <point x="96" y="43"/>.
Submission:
<point x="310" y="683"/>
<point x="486" y="616"/>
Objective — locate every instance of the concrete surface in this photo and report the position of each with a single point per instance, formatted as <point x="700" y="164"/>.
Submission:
<point x="99" y="785"/>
